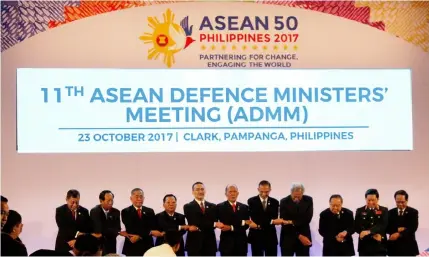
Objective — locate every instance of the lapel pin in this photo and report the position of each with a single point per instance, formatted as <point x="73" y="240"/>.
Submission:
<point x="207" y="207"/>
<point x="79" y="213"/>
<point x="268" y="203"/>
<point x="238" y="208"/>
<point x="144" y="212"/>
<point x="174" y="218"/>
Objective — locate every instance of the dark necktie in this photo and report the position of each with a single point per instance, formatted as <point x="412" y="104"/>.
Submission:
<point x="203" y="209"/>
<point x="74" y="215"/>
<point x="139" y="213"/>
<point x="401" y="212"/>
<point x="264" y="204"/>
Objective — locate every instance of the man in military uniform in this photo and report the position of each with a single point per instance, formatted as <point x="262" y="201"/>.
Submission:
<point x="371" y="223"/>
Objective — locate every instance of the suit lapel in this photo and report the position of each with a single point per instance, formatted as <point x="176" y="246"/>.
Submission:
<point x="69" y="214"/>
<point x="102" y="214"/>
<point x="199" y="207"/>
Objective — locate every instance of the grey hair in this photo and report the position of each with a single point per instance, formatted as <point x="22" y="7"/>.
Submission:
<point x="230" y="185"/>
<point x="297" y="186"/>
<point x="137" y="189"/>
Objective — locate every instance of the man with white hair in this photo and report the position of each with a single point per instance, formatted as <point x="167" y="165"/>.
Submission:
<point x="236" y="220"/>
<point x="296" y="210"/>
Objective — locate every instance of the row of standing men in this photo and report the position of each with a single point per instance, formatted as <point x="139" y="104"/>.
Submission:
<point x="260" y="215"/>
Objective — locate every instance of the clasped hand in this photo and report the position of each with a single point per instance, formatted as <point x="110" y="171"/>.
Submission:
<point x="282" y="222"/>
<point x="341" y="236"/>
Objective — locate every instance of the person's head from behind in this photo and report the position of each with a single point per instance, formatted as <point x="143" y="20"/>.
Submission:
<point x="106" y="199"/>
<point x="173" y="239"/>
<point x="371" y="197"/>
<point x="72" y="199"/>
<point x="86" y="245"/>
<point x="13" y="225"/>
<point x="4" y="210"/>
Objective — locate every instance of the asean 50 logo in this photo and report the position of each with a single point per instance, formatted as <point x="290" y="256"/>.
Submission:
<point x="167" y="38"/>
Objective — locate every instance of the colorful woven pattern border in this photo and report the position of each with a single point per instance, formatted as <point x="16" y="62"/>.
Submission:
<point x="408" y="20"/>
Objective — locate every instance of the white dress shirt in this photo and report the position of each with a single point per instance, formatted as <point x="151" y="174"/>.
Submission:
<point x="160" y="250"/>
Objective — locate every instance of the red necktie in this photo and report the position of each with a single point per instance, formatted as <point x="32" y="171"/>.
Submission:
<point x="202" y="207"/>
<point x="139" y="212"/>
<point x="233" y="207"/>
<point x="74" y="215"/>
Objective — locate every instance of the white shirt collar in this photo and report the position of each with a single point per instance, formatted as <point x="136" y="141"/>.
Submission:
<point x="199" y="202"/>
<point x="262" y="199"/>
<point x="231" y="203"/>
<point x="137" y="208"/>
<point x="403" y="210"/>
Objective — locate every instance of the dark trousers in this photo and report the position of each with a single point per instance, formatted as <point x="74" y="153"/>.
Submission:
<point x="205" y="250"/>
<point x="297" y="248"/>
<point x="264" y="249"/>
<point x="372" y="253"/>
<point x="234" y="252"/>
<point x="109" y="245"/>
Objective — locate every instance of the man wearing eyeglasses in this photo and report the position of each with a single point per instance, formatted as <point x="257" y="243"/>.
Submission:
<point x="4" y="211"/>
<point x="402" y="227"/>
<point x="336" y="226"/>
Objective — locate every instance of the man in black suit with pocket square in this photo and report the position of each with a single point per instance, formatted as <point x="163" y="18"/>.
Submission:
<point x="170" y="220"/>
<point x="236" y="220"/>
<point x="264" y="212"/>
<point x="402" y="227"/>
<point x="106" y="221"/>
<point x="140" y="225"/>
<point x="296" y="210"/>
<point x="72" y="220"/>
<point x="202" y="220"/>
<point x="336" y="226"/>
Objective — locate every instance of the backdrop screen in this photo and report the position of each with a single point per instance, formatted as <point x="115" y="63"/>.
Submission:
<point x="104" y="110"/>
<point x="103" y="95"/>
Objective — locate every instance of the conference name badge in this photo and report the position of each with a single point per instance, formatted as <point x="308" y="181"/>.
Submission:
<point x="378" y="212"/>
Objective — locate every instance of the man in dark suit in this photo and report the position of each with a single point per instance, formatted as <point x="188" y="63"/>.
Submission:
<point x="202" y="221"/>
<point x="106" y="221"/>
<point x="336" y="226"/>
<point x="140" y="225"/>
<point x="296" y="210"/>
<point x="371" y="223"/>
<point x="236" y="220"/>
<point x="72" y="220"/>
<point x="264" y="212"/>
<point x="170" y="220"/>
<point x="402" y="227"/>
